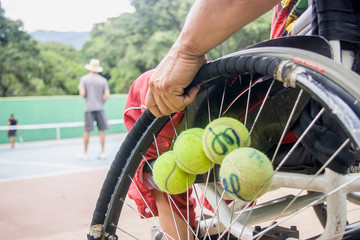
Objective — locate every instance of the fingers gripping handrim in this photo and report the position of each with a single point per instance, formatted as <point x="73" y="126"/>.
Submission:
<point x="153" y="105"/>
<point x="168" y="102"/>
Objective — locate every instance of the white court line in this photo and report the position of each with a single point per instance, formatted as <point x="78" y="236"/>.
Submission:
<point x="53" y="174"/>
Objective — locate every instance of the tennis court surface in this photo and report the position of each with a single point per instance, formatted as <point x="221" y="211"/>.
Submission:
<point x="46" y="192"/>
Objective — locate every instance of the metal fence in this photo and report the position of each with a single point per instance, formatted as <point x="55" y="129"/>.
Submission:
<point x="55" y="126"/>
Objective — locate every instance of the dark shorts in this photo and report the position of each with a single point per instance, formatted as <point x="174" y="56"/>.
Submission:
<point x="98" y="117"/>
<point x="12" y="133"/>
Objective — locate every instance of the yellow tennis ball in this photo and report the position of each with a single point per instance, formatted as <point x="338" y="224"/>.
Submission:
<point x="190" y="156"/>
<point x="169" y="177"/>
<point x="223" y="135"/>
<point x="246" y="173"/>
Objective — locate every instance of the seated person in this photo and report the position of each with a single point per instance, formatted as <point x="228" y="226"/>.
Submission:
<point x="143" y="186"/>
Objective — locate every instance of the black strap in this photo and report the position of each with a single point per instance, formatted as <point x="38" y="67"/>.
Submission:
<point x="324" y="138"/>
<point x="337" y="20"/>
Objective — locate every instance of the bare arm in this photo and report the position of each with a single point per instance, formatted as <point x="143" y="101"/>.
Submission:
<point x="82" y="92"/>
<point x="106" y="95"/>
<point x="209" y="23"/>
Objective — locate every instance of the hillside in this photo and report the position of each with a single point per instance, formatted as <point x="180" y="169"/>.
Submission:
<point x="75" y="39"/>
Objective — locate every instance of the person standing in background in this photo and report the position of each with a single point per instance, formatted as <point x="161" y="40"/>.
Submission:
<point x="12" y="132"/>
<point x="95" y="89"/>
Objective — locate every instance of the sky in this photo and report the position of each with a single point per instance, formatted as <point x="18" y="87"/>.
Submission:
<point x="63" y="15"/>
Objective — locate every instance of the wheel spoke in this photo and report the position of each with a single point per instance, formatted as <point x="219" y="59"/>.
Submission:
<point x="239" y="219"/>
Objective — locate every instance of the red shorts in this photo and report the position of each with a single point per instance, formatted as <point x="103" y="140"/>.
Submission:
<point x="135" y="105"/>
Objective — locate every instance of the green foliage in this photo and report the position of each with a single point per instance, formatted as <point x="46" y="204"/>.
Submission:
<point x="60" y="75"/>
<point x="160" y="15"/>
<point x="18" y="59"/>
<point x="254" y="32"/>
<point x="61" y="70"/>
<point x="158" y="45"/>
<point x="64" y="50"/>
<point x="127" y="46"/>
<point x="135" y="42"/>
<point x="31" y="68"/>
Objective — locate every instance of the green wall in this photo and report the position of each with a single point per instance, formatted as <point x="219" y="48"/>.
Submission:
<point x="55" y="109"/>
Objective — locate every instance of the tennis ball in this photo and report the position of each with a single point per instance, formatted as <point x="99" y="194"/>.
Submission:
<point x="223" y="135"/>
<point x="169" y="177"/>
<point x="190" y="156"/>
<point x="246" y="173"/>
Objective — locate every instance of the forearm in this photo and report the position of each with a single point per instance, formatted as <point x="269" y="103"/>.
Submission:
<point x="82" y="92"/>
<point x="210" y="22"/>
<point x="106" y="95"/>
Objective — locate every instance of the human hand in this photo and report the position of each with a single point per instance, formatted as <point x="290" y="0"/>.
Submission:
<point x="166" y="86"/>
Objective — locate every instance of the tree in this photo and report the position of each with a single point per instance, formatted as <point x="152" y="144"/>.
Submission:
<point x="18" y="58"/>
<point x="254" y="32"/>
<point x="135" y="42"/>
<point x="60" y="70"/>
<point x="132" y="43"/>
<point x="59" y="75"/>
<point x="64" y="50"/>
<point x="161" y="15"/>
<point x="127" y="46"/>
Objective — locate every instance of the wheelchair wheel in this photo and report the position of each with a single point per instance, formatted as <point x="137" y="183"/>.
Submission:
<point x="291" y="101"/>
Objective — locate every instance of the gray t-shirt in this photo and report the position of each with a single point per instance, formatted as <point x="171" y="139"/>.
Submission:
<point x="94" y="86"/>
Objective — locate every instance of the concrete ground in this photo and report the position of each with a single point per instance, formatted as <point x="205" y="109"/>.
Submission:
<point x="46" y="192"/>
<point x="48" y="158"/>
